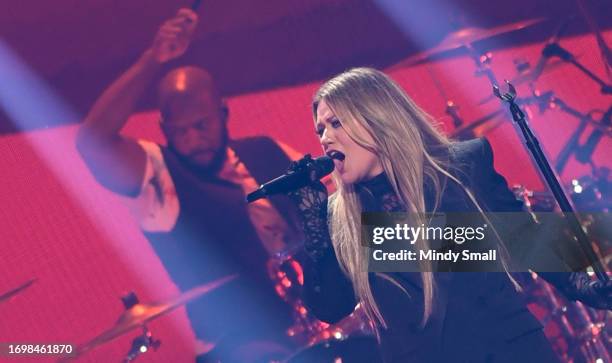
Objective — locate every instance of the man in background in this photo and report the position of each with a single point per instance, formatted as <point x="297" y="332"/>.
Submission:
<point x="189" y="196"/>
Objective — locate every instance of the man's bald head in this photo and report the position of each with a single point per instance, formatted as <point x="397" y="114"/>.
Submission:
<point x="186" y="88"/>
<point x="194" y="117"/>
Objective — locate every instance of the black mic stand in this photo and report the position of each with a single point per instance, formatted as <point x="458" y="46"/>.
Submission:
<point x="551" y="179"/>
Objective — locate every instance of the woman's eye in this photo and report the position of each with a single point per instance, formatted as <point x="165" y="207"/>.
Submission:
<point x="319" y="131"/>
<point x="336" y="123"/>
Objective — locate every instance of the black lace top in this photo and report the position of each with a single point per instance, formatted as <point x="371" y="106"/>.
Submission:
<point x="327" y="290"/>
<point x="377" y="195"/>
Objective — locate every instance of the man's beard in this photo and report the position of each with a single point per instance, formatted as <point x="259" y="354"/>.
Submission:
<point x="213" y="167"/>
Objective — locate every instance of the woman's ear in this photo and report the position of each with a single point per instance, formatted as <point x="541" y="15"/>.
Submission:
<point x="224" y="111"/>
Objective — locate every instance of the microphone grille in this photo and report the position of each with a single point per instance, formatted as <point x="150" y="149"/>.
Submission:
<point x="324" y="166"/>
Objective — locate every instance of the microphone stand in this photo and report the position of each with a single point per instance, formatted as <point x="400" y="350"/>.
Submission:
<point x="551" y="179"/>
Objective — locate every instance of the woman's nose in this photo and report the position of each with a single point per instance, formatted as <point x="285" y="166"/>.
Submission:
<point x="326" y="138"/>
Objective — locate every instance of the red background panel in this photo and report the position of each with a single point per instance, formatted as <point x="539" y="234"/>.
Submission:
<point x="79" y="240"/>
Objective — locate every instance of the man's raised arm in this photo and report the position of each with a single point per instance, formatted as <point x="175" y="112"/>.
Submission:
<point x="119" y="163"/>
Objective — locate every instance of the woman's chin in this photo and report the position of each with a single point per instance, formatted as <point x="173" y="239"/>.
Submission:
<point x="348" y="179"/>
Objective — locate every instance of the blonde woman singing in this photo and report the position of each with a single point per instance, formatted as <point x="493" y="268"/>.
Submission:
<point x="389" y="157"/>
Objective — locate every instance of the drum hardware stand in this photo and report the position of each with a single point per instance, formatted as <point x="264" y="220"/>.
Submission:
<point x="521" y="65"/>
<point x="571" y="145"/>
<point x="587" y="336"/>
<point x="137" y="316"/>
<point x="525" y="72"/>
<point x="548" y="100"/>
<point x="483" y="67"/>
<point x="483" y="63"/>
<point x="551" y="180"/>
<point x="143" y="342"/>
<point x="452" y="109"/>
<point x="555" y="50"/>
<point x="605" y="52"/>
<point x="542" y="100"/>
<point x="584" y="153"/>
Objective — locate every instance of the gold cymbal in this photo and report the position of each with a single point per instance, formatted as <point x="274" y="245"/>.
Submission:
<point x="465" y="37"/>
<point x="140" y="314"/>
<point x="472" y="126"/>
<point x="530" y="75"/>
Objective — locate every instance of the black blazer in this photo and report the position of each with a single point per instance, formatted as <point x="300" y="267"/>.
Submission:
<point x="477" y="317"/>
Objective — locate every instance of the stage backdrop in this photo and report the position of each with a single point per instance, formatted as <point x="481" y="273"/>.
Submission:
<point x="78" y="240"/>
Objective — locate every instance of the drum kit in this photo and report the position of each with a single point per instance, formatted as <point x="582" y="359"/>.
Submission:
<point x="352" y="339"/>
<point x="578" y="334"/>
<point x="585" y="331"/>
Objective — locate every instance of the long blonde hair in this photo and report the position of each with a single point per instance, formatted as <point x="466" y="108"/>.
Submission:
<point x="409" y="146"/>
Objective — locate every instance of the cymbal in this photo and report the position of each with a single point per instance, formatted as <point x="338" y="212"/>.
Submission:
<point x="461" y="131"/>
<point x="465" y="37"/>
<point x="529" y="75"/>
<point x="140" y="314"/>
<point x="530" y="100"/>
<point x="7" y="295"/>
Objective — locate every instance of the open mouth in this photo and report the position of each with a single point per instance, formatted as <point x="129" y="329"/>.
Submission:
<point x="335" y="154"/>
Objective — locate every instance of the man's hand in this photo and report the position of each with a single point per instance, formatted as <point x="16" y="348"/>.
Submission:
<point x="174" y="36"/>
<point x="120" y="163"/>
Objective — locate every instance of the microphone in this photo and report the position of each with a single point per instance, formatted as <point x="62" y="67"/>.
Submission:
<point x="308" y="170"/>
